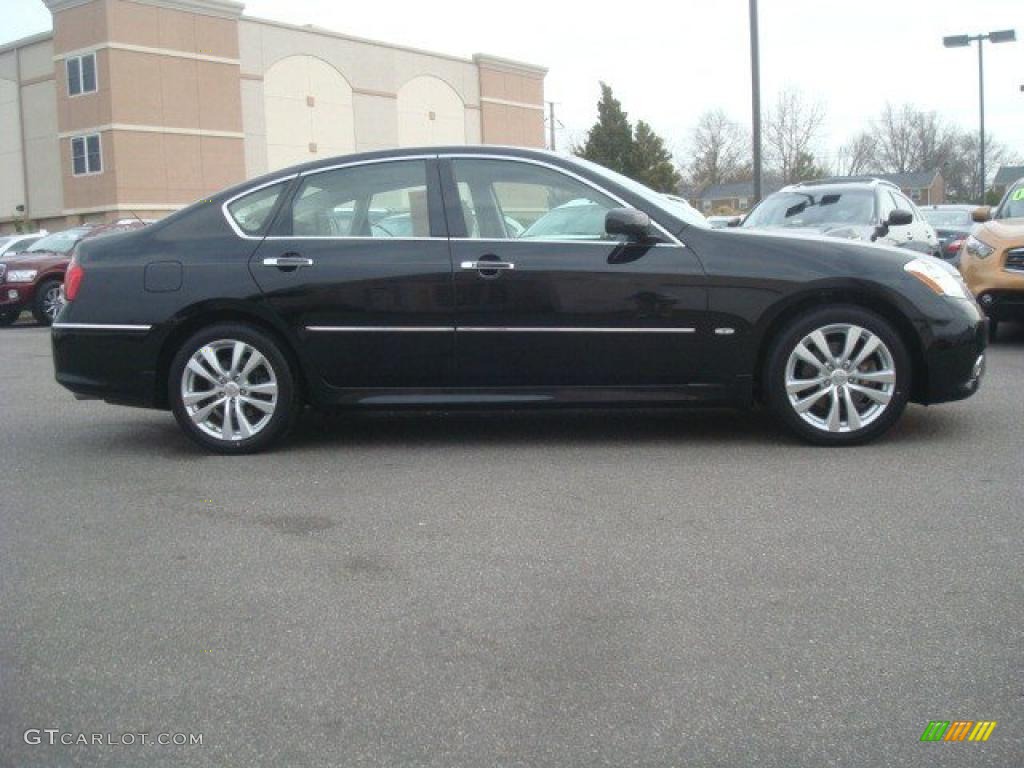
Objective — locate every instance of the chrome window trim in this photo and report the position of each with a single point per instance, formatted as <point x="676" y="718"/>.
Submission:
<point x="674" y="241"/>
<point x="99" y="327"/>
<point x="558" y="169"/>
<point x="230" y="219"/>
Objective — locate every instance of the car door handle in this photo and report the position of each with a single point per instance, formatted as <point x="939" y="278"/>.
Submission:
<point x="288" y="261"/>
<point x="487" y="265"/>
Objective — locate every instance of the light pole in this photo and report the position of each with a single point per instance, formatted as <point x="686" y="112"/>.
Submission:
<point x="755" y="97"/>
<point x="963" y="41"/>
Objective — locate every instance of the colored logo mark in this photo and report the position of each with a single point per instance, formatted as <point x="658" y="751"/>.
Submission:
<point x="958" y="730"/>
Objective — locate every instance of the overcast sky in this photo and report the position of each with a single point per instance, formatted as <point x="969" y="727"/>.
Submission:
<point x="669" y="61"/>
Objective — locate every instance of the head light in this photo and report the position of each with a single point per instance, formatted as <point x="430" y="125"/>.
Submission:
<point x="21" y="275"/>
<point x="976" y="247"/>
<point x="938" y="276"/>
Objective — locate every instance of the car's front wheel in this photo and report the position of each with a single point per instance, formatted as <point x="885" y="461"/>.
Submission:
<point x="838" y="376"/>
<point x="232" y="390"/>
<point x="47" y="304"/>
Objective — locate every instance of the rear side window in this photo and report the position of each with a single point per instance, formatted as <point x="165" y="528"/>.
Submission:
<point x="378" y="200"/>
<point x="252" y="212"/>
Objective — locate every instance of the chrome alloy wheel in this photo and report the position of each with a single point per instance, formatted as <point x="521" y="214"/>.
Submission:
<point x="229" y="390"/>
<point x="840" y="378"/>
<point x="52" y="302"/>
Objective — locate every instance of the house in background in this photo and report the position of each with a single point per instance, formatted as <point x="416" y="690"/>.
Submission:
<point x="923" y="187"/>
<point x="729" y="199"/>
<point x="1005" y="176"/>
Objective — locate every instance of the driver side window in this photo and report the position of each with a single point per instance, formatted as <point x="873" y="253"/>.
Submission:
<point x="512" y="200"/>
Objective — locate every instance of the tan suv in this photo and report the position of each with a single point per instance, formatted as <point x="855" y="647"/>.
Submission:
<point x="992" y="259"/>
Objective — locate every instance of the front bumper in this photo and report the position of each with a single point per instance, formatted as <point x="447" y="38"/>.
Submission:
<point x="16" y="296"/>
<point x="955" y="356"/>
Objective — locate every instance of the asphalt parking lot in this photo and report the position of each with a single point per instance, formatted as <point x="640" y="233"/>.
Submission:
<point x="581" y="589"/>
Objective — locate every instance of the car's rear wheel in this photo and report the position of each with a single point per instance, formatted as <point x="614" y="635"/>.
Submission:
<point x="838" y="376"/>
<point x="9" y="318"/>
<point x="232" y="390"/>
<point x="47" y="303"/>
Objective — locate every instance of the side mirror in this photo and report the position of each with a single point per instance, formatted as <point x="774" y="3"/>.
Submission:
<point x="900" y="218"/>
<point x="633" y="224"/>
<point x="735" y="221"/>
<point x="982" y="214"/>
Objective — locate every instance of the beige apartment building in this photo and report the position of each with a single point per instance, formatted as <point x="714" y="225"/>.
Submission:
<point x="144" y="106"/>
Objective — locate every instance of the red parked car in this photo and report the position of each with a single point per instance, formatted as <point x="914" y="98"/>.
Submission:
<point x="31" y="280"/>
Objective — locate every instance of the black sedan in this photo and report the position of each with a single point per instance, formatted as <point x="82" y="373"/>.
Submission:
<point x="501" y="287"/>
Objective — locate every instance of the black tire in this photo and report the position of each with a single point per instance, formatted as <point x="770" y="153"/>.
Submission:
<point x="9" y="318"/>
<point x="286" y="406"/>
<point x="42" y="299"/>
<point x="783" y="346"/>
<point x="993" y="328"/>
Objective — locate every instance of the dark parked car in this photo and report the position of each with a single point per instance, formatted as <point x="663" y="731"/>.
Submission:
<point x="953" y="224"/>
<point x="31" y="280"/>
<point x="233" y="312"/>
<point x="866" y="209"/>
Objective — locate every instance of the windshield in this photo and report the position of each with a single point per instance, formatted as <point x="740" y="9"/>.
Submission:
<point x="685" y="213"/>
<point x="59" y="242"/>
<point x="815" y="208"/>
<point x="940" y="218"/>
<point x="1013" y="206"/>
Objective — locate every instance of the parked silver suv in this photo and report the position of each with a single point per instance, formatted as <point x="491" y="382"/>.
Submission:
<point x="855" y="208"/>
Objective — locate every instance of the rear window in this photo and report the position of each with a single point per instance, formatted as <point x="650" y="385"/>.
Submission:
<point x="252" y="212"/>
<point x="946" y="218"/>
<point x="60" y="242"/>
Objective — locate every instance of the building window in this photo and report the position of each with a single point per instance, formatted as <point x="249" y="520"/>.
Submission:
<point x="744" y="203"/>
<point x="81" y="74"/>
<point x="915" y="195"/>
<point x="86" y="155"/>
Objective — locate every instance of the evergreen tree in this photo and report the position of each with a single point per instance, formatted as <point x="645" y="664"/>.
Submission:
<point x="652" y="163"/>
<point x="610" y="141"/>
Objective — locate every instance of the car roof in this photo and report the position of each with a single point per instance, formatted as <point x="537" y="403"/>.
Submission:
<point x="541" y="155"/>
<point x="842" y="182"/>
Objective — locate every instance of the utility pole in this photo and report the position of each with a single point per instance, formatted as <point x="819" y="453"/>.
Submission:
<point x="551" y="126"/>
<point x="755" y="97"/>
<point x="964" y="41"/>
<point x="981" y="106"/>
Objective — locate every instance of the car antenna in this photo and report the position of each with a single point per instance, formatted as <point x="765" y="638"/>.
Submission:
<point x="133" y="213"/>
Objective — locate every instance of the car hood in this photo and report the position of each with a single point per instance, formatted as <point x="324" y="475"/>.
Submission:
<point x="35" y="260"/>
<point x="841" y="231"/>
<point x="808" y="239"/>
<point x="1004" y="229"/>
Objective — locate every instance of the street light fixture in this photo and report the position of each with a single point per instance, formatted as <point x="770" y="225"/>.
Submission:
<point x="963" y="41"/>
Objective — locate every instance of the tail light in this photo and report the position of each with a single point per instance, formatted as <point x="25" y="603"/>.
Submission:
<point x="954" y="246"/>
<point x="73" y="280"/>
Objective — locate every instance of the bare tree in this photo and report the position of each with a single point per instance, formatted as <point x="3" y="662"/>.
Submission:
<point x="856" y="157"/>
<point x="894" y="139"/>
<point x="961" y="172"/>
<point x="791" y="130"/>
<point x="909" y="139"/>
<point x="720" y="151"/>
